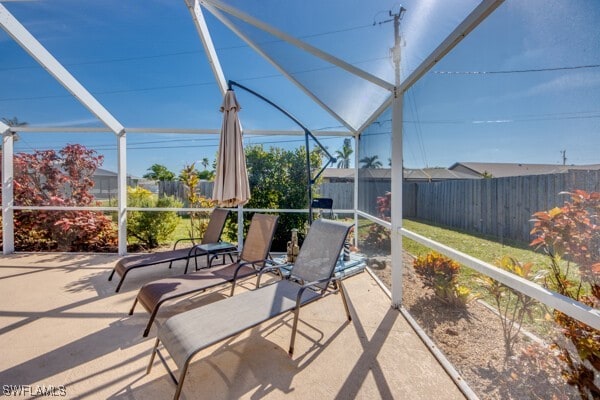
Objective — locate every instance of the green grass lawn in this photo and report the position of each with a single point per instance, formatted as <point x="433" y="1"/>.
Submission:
<point x="183" y="228"/>
<point x="485" y="248"/>
<point x="482" y="247"/>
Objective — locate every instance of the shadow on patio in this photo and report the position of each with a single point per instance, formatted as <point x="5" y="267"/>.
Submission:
<point x="65" y="326"/>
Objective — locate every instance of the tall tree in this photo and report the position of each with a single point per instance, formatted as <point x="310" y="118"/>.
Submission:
<point x="159" y="172"/>
<point x="371" y="162"/>
<point x="344" y="154"/>
<point x="278" y="180"/>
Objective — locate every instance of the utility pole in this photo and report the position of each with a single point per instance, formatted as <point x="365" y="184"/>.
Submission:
<point x="396" y="50"/>
<point x="564" y="156"/>
<point x="395" y="17"/>
<point x="397" y="167"/>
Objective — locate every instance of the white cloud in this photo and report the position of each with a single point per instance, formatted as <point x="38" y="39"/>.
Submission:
<point x="565" y="82"/>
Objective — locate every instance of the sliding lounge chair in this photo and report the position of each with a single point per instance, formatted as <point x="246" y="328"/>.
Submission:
<point x="210" y="241"/>
<point x="253" y="257"/>
<point x="185" y="334"/>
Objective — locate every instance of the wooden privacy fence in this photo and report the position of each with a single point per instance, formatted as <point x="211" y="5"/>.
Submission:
<point x="341" y="193"/>
<point x="500" y="207"/>
<point x="177" y="189"/>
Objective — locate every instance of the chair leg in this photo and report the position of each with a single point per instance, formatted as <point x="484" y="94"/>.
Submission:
<point x="151" y="320"/>
<point x="112" y="274"/>
<point x="133" y="306"/>
<point x="344" y="299"/>
<point x="149" y="368"/>
<point x="121" y="282"/>
<point x="181" y="379"/>
<point x="294" y="328"/>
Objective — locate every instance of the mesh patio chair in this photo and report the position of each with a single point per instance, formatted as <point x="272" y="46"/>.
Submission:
<point x="252" y="258"/>
<point x="212" y="236"/>
<point x="311" y="278"/>
<point x="322" y="205"/>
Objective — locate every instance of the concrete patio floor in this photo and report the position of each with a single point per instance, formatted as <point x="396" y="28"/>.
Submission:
<point x="61" y="324"/>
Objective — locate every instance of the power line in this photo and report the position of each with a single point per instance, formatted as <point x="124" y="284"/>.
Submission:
<point x="183" y="52"/>
<point x="136" y="145"/>
<point x="418" y="129"/>
<point x="183" y="85"/>
<point x="517" y="71"/>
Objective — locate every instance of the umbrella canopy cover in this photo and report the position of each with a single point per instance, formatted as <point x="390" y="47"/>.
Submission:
<point x="231" y="181"/>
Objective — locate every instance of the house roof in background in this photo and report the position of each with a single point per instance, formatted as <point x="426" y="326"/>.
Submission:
<point x="499" y="170"/>
<point x="421" y="174"/>
<point x="105" y="172"/>
<point x="435" y="174"/>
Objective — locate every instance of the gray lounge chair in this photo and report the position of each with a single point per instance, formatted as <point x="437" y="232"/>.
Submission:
<point x="252" y="258"/>
<point x="212" y="236"/>
<point x="185" y="334"/>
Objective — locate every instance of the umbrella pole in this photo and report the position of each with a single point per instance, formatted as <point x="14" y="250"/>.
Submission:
<point x="307" y="134"/>
<point x="310" y="181"/>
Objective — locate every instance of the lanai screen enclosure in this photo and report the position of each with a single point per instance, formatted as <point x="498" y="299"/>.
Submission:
<point x="427" y="79"/>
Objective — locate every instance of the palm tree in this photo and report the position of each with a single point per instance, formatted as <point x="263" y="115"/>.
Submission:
<point x="14" y="121"/>
<point x="344" y="154"/>
<point x="159" y="172"/>
<point x="205" y="163"/>
<point x="371" y="162"/>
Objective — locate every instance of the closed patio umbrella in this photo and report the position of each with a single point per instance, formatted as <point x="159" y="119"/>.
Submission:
<point x="231" y="181"/>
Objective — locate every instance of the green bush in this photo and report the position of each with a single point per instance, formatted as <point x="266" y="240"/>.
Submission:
<point x="440" y="273"/>
<point x="59" y="178"/>
<point x="150" y="228"/>
<point x="278" y="181"/>
<point x="571" y="233"/>
<point x="512" y="305"/>
<point x="190" y="177"/>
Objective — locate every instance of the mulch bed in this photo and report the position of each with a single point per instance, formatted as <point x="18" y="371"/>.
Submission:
<point x="472" y="340"/>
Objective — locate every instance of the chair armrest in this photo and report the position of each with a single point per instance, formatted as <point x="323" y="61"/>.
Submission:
<point x="311" y="285"/>
<point x="273" y="267"/>
<point x="193" y="240"/>
<point x="243" y="264"/>
<point x="196" y="248"/>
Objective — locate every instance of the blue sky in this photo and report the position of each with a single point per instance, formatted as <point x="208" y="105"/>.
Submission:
<point x="144" y="62"/>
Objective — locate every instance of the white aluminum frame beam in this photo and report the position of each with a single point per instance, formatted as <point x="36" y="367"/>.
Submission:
<point x="282" y="70"/>
<point x="355" y="188"/>
<point x="396" y="206"/>
<point x="192" y="131"/>
<point x="575" y="309"/>
<point x="39" y="53"/>
<point x="300" y="44"/>
<point x="478" y="15"/>
<point x="209" y="48"/>
<point x="8" y="239"/>
<point x="122" y="192"/>
<point x="384" y="106"/>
